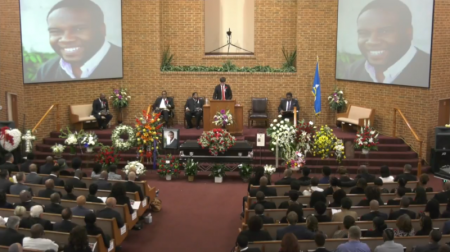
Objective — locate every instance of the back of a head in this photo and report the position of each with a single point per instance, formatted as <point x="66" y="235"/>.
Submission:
<point x="104" y="175"/>
<point x="379" y="224"/>
<point x="55" y="198"/>
<point x="25" y="196"/>
<point x="293" y="195"/>
<point x="306" y="171"/>
<point x="259" y="209"/>
<point x="90" y="218"/>
<point x="316" y="196"/>
<point x="263" y="181"/>
<point x="131" y="176"/>
<point x="78" y="238"/>
<point x="33" y="168"/>
<point x="354" y="233"/>
<point x="36" y="211"/>
<point x="326" y="171"/>
<point x="79" y="173"/>
<point x="407" y="168"/>
<point x="242" y="241"/>
<point x="319" y="239"/>
<point x="388" y="234"/>
<point x="378" y="182"/>
<point x="374" y="205"/>
<point x="76" y="164"/>
<point x="66" y="214"/>
<point x="55" y="170"/>
<point x="348" y="222"/>
<point x="49" y="159"/>
<point x="334" y="181"/>
<point x="295" y="185"/>
<point x="372" y="192"/>
<point x="37" y="231"/>
<point x="362" y="169"/>
<point x="20" y="211"/>
<point x="13" y="222"/>
<point x="292" y="218"/>
<point x="404" y="202"/>
<point x="20" y="177"/>
<point x="4" y="173"/>
<point x="288" y="172"/>
<point x="298" y="209"/>
<point x="404" y="223"/>
<point x="314" y="181"/>
<point x="320" y="207"/>
<point x="362" y="183"/>
<point x="338" y="195"/>
<point x="346" y="203"/>
<point x="16" y="247"/>
<point x="384" y="171"/>
<point x="260" y="196"/>
<point x="93" y="188"/>
<point x="435" y="235"/>
<point x="9" y="156"/>
<point x="118" y="190"/>
<point x="49" y="184"/>
<point x="111" y="202"/>
<point x="97" y="168"/>
<point x="112" y="168"/>
<point x="424" y="179"/>
<point x="68" y="187"/>
<point x="432" y="207"/>
<point x="81" y="200"/>
<point x="255" y="223"/>
<point x="289" y="243"/>
<point x="342" y="170"/>
<point x="401" y="191"/>
<point x="259" y="172"/>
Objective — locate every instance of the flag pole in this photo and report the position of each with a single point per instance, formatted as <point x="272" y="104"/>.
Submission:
<point x="315" y="114"/>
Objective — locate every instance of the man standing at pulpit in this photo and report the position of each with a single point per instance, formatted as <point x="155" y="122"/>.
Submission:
<point x="164" y="105"/>
<point x="194" y="107"/>
<point x="222" y="91"/>
<point x="100" y="110"/>
<point x="287" y="105"/>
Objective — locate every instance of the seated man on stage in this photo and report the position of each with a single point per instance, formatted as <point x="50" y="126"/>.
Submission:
<point x="100" y="110"/>
<point x="287" y="105"/>
<point x="164" y="105"/>
<point x="223" y="91"/>
<point x="194" y="107"/>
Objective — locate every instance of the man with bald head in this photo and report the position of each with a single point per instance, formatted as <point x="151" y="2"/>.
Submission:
<point x="263" y="181"/>
<point x="37" y="242"/>
<point x="47" y="167"/>
<point x="33" y="177"/>
<point x="25" y="200"/>
<point x="16" y="247"/>
<point x="100" y="110"/>
<point x="109" y="212"/>
<point x="102" y="182"/>
<point x="80" y="210"/>
<point x="444" y="196"/>
<point x="130" y="186"/>
<point x="55" y="206"/>
<point x="374" y="212"/>
<point x="49" y="189"/>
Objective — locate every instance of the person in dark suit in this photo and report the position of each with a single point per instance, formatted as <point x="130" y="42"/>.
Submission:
<point x="295" y="186"/>
<point x="364" y="173"/>
<point x="319" y="239"/>
<point x="25" y="200"/>
<point x="55" y="206"/>
<point x="360" y="187"/>
<point x="102" y="182"/>
<point x="223" y="91"/>
<point x="48" y="166"/>
<point x="334" y="186"/>
<point x="65" y="225"/>
<point x="254" y="231"/>
<point x="3" y="201"/>
<point x="109" y="212"/>
<point x="33" y="177"/>
<point x="9" y="163"/>
<point x="54" y="176"/>
<point x="326" y="172"/>
<point x="287" y="105"/>
<point x="91" y="196"/>
<point x="259" y="211"/>
<point x="407" y="176"/>
<point x="36" y="218"/>
<point x="293" y="197"/>
<point x="25" y="166"/>
<point x="305" y="180"/>
<point x="172" y="142"/>
<point x="5" y="184"/>
<point x="88" y="55"/>
<point x="260" y="199"/>
<point x="80" y="209"/>
<point x="17" y="188"/>
<point x="100" y="110"/>
<point x="76" y="180"/>
<point x="164" y="105"/>
<point x="194" y="108"/>
<point x="321" y="212"/>
<point x="92" y="229"/>
<point x="301" y="232"/>
<point x="433" y="246"/>
<point x="242" y="245"/>
<point x="10" y="235"/>
<point x="378" y="227"/>
<point x="404" y="204"/>
<point x="130" y="186"/>
<point x="374" y="205"/>
<point x="263" y="187"/>
<point x="286" y="180"/>
<point x="444" y="196"/>
<point x="49" y="190"/>
<point x="69" y="195"/>
<point x="372" y="193"/>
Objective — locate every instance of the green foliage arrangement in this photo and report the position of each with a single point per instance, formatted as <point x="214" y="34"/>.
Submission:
<point x="32" y="61"/>
<point x="290" y="57"/>
<point x="167" y="58"/>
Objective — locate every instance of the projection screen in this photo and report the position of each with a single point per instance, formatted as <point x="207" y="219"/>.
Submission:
<point x="70" y="40"/>
<point x="385" y="41"/>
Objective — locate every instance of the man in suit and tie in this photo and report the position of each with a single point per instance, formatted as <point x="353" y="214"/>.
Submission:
<point x="444" y="196"/>
<point x="287" y="105"/>
<point x="319" y="239"/>
<point x="25" y="166"/>
<point x="172" y="142"/>
<point x="100" y="110"/>
<point x="223" y="91"/>
<point x="102" y="182"/>
<point x="364" y="173"/>
<point x="48" y="166"/>
<point x="19" y="187"/>
<point x="9" y="164"/>
<point x="242" y="245"/>
<point x="80" y="210"/>
<point x="25" y="200"/>
<point x="55" y="206"/>
<point x="54" y="177"/>
<point x="66" y="225"/>
<point x="259" y="211"/>
<point x="5" y="184"/>
<point x="407" y="176"/>
<point x="109" y="212"/>
<point x="164" y="105"/>
<point x="260" y="199"/>
<point x="301" y="232"/>
<point x="33" y="177"/>
<point x="286" y="180"/>
<point x="10" y="235"/>
<point x="433" y="246"/>
<point x="49" y="189"/>
<point x="374" y="212"/>
<point x="263" y="188"/>
<point x="194" y="108"/>
<point x="36" y="218"/>
<point x="389" y="245"/>
<point x="130" y="186"/>
<point x="91" y="196"/>
<point x="404" y="204"/>
<point x="76" y="180"/>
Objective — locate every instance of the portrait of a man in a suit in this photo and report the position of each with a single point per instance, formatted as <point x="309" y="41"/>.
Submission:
<point x="171" y="139"/>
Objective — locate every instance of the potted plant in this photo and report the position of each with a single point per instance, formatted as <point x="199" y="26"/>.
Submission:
<point x="336" y="100"/>
<point x="245" y="170"/>
<point x="72" y="139"/>
<point x="89" y="141"/>
<point x="120" y="100"/>
<point x="57" y="149"/>
<point x="191" y="169"/>
<point x="327" y="145"/>
<point x="218" y="171"/>
<point x="366" y="139"/>
<point x="168" y="167"/>
<point x="268" y="171"/>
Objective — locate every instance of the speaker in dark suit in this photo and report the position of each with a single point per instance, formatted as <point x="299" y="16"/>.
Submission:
<point x="194" y="108"/>
<point x="165" y="105"/>
<point x="287" y="105"/>
<point x="100" y="110"/>
<point x="222" y="91"/>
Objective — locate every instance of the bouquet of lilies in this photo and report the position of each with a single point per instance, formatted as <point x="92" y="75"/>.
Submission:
<point x="336" y="100"/>
<point x="367" y="138"/>
<point x="58" y="148"/>
<point x="223" y="118"/>
<point x="269" y="169"/>
<point x="120" y="98"/>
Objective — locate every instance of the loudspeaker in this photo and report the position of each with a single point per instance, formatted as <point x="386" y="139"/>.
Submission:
<point x="442" y="135"/>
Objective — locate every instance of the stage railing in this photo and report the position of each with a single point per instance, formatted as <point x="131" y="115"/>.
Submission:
<point x="57" y="121"/>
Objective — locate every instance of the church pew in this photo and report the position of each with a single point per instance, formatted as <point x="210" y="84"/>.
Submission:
<point x="356" y="198"/>
<point x="6" y="249"/>
<point x="63" y="238"/>
<point x="281" y="189"/>
<point x="332" y="244"/>
<point x="109" y="226"/>
<point x="329" y="228"/>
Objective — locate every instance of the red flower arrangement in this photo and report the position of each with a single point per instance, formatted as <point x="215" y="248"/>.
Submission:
<point x="3" y="135"/>
<point x="168" y="165"/>
<point x="107" y="156"/>
<point x="217" y="140"/>
<point x="148" y="133"/>
<point x="367" y="138"/>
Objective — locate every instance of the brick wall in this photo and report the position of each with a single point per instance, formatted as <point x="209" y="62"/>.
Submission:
<point x="308" y="25"/>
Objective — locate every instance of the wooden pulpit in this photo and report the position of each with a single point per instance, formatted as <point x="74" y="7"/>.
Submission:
<point x="236" y="110"/>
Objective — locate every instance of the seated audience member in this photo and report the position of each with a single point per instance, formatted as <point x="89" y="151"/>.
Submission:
<point x="343" y="174"/>
<point x="131" y="186"/>
<point x="404" y="204"/>
<point x="402" y="184"/>
<point x="293" y="199"/>
<point x="316" y="197"/>
<point x="374" y="213"/>
<point x="96" y="170"/>
<point x="345" y="210"/>
<point x="76" y="180"/>
<point x="446" y="213"/>
<point x="260" y="199"/>
<point x="305" y="180"/>
<point x="112" y="174"/>
<point x="54" y="176"/>
<point x="321" y="212"/>
<point x="78" y="241"/>
<point x="420" y="197"/>
<point x="257" y="175"/>
<point x="379" y="183"/>
<point x="298" y="209"/>
<point x="404" y="226"/>
<point x="119" y="192"/>
<point x="287" y="179"/>
<point x="36" y="218"/>
<point x="33" y="177"/>
<point x="312" y="224"/>
<point x="254" y="231"/>
<point x="319" y="239"/>
<point x="10" y="235"/>
<point x="259" y="211"/>
<point x="334" y="186"/>
<point x="348" y="222"/>
<point x="299" y="231"/>
<point x="378" y="227"/>
<point x="313" y="188"/>
<point x="102" y="182"/>
<point x="25" y="200"/>
<point x="49" y="190"/>
<point x="364" y="173"/>
<point x="444" y="196"/>
<point x="108" y="212"/>
<point x="65" y="225"/>
<point x="80" y="210"/>
<point x="242" y="245"/>
<point x="55" y="206"/>
<point x="354" y="244"/>
<point x="433" y="246"/>
<point x="426" y="224"/>
<point x="17" y="247"/>
<point x="9" y="163"/>
<point x="3" y="201"/>
<point x="337" y="198"/>
<point x="69" y="195"/>
<point x="37" y="242"/>
<point x="268" y="191"/>
<point x="326" y="172"/>
<point x="423" y="181"/>
<point x="17" y="188"/>
<point x="389" y="245"/>
<point x="92" y="228"/>
<point x="385" y="174"/>
<point x="20" y="212"/>
<point x="407" y="176"/>
<point x="295" y="186"/>
<point x="432" y="209"/>
<point x="5" y="183"/>
<point x="372" y="193"/>
<point x="48" y="166"/>
<point x="93" y="188"/>
<point x="360" y="187"/>
<point x="289" y="243"/>
<point x="396" y="201"/>
<point x="25" y="166"/>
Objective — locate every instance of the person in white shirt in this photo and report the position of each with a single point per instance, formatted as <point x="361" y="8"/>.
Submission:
<point x="164" y="105"/>
<point x="385" y="174"/>
<point x="36" y="241"/>
<point x="313" y="188"/>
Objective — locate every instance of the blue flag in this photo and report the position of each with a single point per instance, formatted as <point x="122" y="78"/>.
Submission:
<point x="316" y="91"/>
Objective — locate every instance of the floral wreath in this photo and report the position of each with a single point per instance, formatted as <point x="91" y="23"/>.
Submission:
<point x="118" y="142"/>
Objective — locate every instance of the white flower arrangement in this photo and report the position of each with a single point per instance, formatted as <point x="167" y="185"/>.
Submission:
<point x="269" y="169"/>
<point x="58" y="148"/>
<point x="137" y="166"/>
<point x="71" y="139"/>
<point x="89" y="139"/>
<point x="118" y="142"/>
<point x="282" y="134"/>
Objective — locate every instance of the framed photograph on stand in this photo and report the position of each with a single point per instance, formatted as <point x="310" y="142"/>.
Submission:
<point x="260" y="142"/>
<point x="171" y="137"/>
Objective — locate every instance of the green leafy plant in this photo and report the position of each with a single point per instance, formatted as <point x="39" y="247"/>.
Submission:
<point x="245" y="170"/>
<point x="290" y="57"/>
<point x="191" y="168"/>
<point x="32" y="61"/>
<point x="167" y="58"/>
<point x="218" y="170"/>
